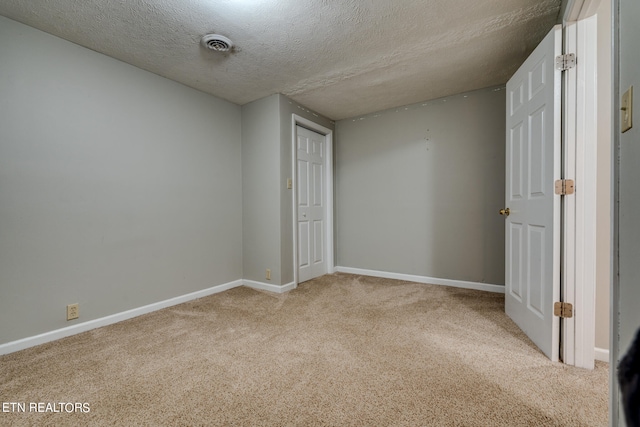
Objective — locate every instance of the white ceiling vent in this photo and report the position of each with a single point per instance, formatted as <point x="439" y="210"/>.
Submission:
<point x="216" y="42"/>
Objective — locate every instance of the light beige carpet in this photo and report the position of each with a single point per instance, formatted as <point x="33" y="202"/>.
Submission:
<point x="339" y="350"/>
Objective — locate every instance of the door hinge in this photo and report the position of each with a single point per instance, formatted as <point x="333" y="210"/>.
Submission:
<point x="563" y="309"/>
<point x="565" y="187"/>
<point x="566" y="61"/>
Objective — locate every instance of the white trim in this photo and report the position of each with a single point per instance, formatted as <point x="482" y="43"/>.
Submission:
<point x="297" y="120"/>
<point x="580" y="164"/>
<point x="269" y="287"/>
<point x="580" y="9"/>
<point x="424" y="279"/>
<point x="57" y="334"/>
<point x="601" y="354"/>
<point x="586" y="160"/>
<point x="569" y="202"/>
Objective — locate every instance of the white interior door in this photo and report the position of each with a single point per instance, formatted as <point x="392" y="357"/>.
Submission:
<point x="532" y="265"/>
<point x="310" y="165"/>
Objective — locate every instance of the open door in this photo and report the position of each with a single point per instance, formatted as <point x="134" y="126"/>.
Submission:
<point x="532" y="210"/>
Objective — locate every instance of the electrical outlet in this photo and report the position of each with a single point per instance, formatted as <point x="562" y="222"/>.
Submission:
<point x="73" y="311"/>
<point x="268" y="274"/>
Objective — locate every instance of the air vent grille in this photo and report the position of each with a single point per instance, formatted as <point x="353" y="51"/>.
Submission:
<point x="217" y="42"/>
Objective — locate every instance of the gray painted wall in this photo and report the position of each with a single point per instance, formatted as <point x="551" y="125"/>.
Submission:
<point x="118" y="188"/>
<point x="627" y="283"/>
<point x="267" y="203"/>
<point x="629" y="196"/>
<point x="418" y="189"/>
<point x="260" y="190"/>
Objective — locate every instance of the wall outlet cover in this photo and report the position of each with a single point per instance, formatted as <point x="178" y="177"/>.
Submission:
<point x="73" y="311"/>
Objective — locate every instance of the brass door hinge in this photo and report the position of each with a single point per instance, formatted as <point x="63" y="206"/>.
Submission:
<point x="566" y="61"/>
<point x="563" y="309"/>
<point x="565" y="187"/>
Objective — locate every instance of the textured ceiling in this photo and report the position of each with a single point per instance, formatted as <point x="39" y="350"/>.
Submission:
<point x="342" y="58"/>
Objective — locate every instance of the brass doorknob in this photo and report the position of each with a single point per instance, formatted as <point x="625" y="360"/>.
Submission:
<point x="505" y="212"/>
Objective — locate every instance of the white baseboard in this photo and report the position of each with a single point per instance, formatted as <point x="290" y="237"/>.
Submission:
<point x="601" y="354"/>
<point x="269" y="287"/>
<point x="424" y="279"/>
<point x="57" y="334"/>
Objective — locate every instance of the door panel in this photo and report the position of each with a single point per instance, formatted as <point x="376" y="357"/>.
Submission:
<point x="318" y="249"/>
<point x="536" y="288"/>
<point x="303" y="243"/>
<point x="514" y="260"/>
<point x="303" y="183"/>
<point x="516" y="159"/>
<point x="311" y="204"/>
<point x="537" y="159"/>
<point x="318" y="194"/>
<point x="532" y="271"/>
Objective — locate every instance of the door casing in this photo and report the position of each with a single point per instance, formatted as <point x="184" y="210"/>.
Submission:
<point x="297" y="120"/>
<point x="580" y="164"/>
